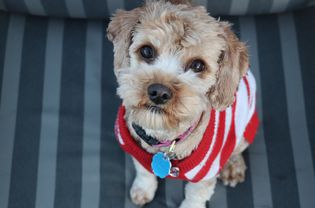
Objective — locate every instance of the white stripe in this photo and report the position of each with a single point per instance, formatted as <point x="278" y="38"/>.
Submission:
<point x="252" y="95"/>
<point x="241" y="111"/>
<point x="214" y="169"/>
<point x="257" y="152"/>
<point x="35" y="7"/>
<point x="296" y="111"/>
<point x="239" y="7"/>
<point x="228" y="123"/>
<point x="92" y="119"/>
<point x="192" y="173"/>
<point x="216" y="163"/>
<point x="279" y="5"/>
<point x="251" y="84"/>
<point x="120" y="139"/>
<point x="45" y="191"/>
<point x="9" y="99"/>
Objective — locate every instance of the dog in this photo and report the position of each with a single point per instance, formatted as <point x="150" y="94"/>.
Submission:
<point x="188" y="98"/>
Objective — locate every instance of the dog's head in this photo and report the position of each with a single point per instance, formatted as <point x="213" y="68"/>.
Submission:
<point x="174" y="61"/>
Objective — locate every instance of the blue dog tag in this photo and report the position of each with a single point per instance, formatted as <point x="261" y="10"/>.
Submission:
<point x="161" y="165"/>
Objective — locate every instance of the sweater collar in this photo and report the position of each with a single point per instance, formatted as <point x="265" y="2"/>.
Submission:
<point x="129" y="144"/>
<point x="154" y="142"/>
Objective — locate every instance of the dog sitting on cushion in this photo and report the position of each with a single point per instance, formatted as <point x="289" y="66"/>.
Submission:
<point x="184" y="81"/>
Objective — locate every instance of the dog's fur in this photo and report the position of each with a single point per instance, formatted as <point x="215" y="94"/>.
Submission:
<point x="180" y="33"/>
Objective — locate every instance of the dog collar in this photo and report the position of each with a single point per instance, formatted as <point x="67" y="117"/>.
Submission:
<point x="152" y="141"/>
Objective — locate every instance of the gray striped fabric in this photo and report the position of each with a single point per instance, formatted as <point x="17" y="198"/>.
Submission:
<point x="58" y="106"/>
<point x="104" y="8"/>
<point x="258" y="157"/>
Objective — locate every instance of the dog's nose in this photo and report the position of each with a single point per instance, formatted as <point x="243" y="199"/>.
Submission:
<point x="159" y="94"/>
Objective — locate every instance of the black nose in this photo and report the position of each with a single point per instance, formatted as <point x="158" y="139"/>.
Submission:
<point x="159" y="94"/>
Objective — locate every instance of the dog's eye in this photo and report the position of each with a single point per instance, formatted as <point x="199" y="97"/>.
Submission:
<point x="147" y="52"/>
<point x="197" y="66"/>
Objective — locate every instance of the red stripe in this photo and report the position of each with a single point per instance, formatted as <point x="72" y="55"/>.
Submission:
<point x="229" y="145"/>
<point x="130" y="145"/>
<point x="197" y="155"/>
<point x="251" y="128"/>
<point x="216" y="149"/>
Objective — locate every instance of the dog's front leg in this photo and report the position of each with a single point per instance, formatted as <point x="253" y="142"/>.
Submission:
<point x="144" y="185"/>
<point x="197" y="194"/>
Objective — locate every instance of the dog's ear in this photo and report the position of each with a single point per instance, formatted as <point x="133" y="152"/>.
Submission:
<point x="119" y="31"/>
<point x="233" y="65"/>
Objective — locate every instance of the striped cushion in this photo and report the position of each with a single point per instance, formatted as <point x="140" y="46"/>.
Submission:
<point x="104" y="8"/>
<point x="58" y="106"/>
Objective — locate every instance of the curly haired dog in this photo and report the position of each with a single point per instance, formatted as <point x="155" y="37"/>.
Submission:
<point x="187" y="93"/>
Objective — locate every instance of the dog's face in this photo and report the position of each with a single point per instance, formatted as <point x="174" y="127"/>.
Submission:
<point x="174" y="62"/>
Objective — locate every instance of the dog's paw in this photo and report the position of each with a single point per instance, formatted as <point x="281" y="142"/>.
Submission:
<point x="191" y="204"/>
<point x="234" y="171"/>
<point x="140" y="196"/>
<point x="143" y="190"/>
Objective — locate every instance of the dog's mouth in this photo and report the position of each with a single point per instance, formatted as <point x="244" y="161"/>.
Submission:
<point x="155" y="109"/>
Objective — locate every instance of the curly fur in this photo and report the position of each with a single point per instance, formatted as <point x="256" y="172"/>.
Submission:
<point x="180" y="33"/>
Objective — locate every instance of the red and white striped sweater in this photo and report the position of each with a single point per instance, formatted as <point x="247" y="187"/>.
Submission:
<point x="223" y="134"/>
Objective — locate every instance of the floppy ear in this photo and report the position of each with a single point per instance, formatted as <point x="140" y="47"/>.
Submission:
<point x="233" y="65"/>
<point x="119" y="31"/>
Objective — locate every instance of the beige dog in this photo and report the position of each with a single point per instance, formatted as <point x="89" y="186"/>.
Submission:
<point x="179" y="72"/>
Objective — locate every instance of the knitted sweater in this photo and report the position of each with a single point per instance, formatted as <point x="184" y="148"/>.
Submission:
<point x="224" y="132"/>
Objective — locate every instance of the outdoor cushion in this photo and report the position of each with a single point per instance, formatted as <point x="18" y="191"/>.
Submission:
<point x="58" y="105"/>
<point x="105" y="8"/>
